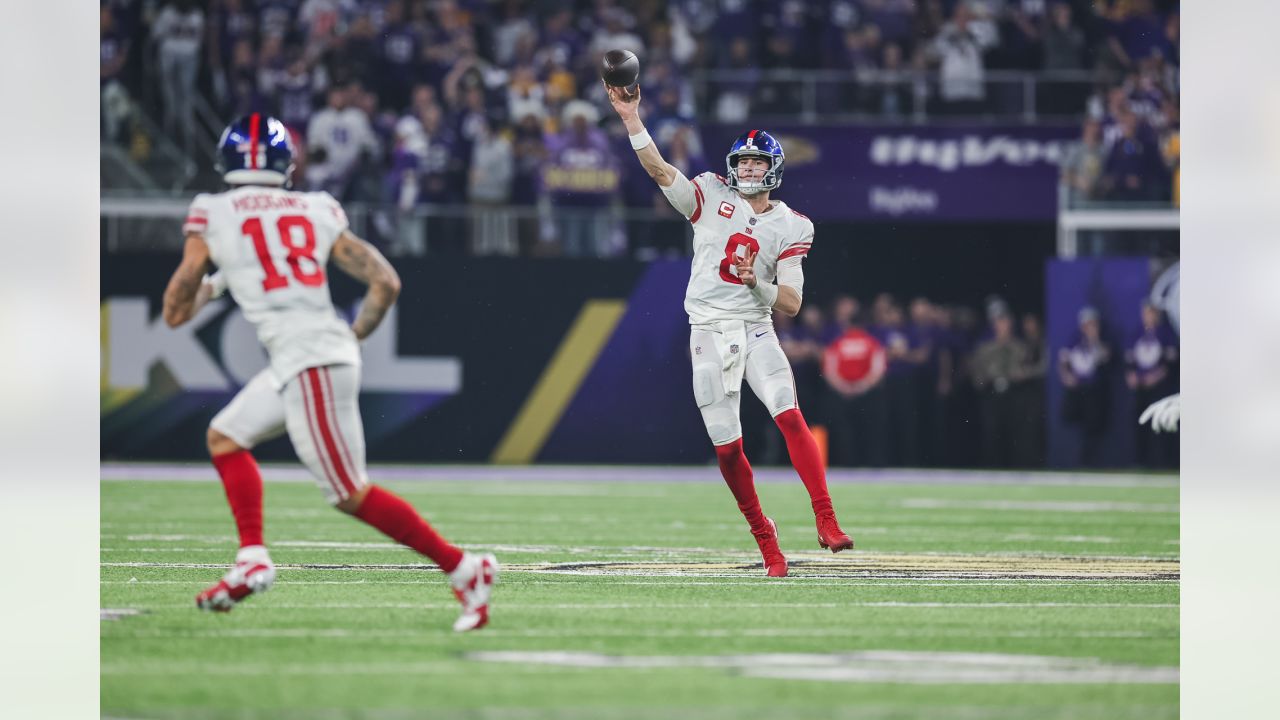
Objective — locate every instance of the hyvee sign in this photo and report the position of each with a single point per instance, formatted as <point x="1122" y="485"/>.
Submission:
<point x="942" y="173"/>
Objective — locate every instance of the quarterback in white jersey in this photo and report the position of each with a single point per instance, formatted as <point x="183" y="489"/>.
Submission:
<point x="748" y="252"/>
<point x="270" y="247"/>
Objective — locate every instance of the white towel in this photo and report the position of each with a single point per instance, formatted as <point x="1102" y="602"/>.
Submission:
<point x="730" y="337"/>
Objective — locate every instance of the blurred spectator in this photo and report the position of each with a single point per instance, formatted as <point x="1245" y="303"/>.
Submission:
<point x="1082" y="367"/>
<point x="958" y="51"/>
<point x="614" y="30"/>
<point x="295" y="90"/>
<point x="1151" y="367"/>
<point x="398" y="44"/>
<point x="356" y="56"/>
<point x="1134" y="170"/>
<point x="890" y="89"/>
<point x="1063" y="40"/>
<point x="928" y="378"/>
<point x="803" y="344"/>
<point x="853" y="366"/>
<point x="113" y="54"/>
<point x="408" y="151"/>
<point x="336" y="138"/>
<point x="275" y="17"/>
<point x="442" y="180"/>
<point x="489" y="189"/>
<point x="178" y="32"/>
<point x="242" y="96"/>
<point x="510" y="32"/>
<point x="1030" y="395"/>
<point x="525" y="95"/>
<point x="230" y="23"/>
<point x="1021" y="35"/>
<point x="1142" y="32"/>
<point x="906" y="351"/>
<point x="1171" y="150"/>
<point x="733" y="99"/>
<point x="996" y="365"/>
<point x="1082" y="166"/>
<point x="582" y="178"/>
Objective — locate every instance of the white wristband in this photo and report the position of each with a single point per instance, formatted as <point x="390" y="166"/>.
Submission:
<point x="640" y="140"/>
<point x="766" y="293"/>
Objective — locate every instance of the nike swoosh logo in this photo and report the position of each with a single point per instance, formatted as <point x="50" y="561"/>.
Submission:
<point x="766" y="332"/>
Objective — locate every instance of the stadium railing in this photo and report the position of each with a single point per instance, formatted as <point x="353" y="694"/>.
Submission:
<point x="1117" y="228"/>
<point x="835" y="96"/>
<point x="140" y="222"/>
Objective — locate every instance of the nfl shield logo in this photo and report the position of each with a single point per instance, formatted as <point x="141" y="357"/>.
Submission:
<point x="733" y="349"/>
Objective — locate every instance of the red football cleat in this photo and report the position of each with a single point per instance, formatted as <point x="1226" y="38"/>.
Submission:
<point x="252" y="573"/>
<point x="775" y="563"/>
<point x="830" y="536"/>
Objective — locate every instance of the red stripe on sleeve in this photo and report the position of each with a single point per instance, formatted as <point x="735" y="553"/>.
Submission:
<point x="793" y="252"/>
<point x="697" y="194"/>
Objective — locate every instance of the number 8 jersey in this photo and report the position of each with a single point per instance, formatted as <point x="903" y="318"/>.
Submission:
<point x="271" y="246"/>
<point x="724" y="228"/>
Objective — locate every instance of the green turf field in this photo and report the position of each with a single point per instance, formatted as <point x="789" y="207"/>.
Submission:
<point x="646" y="600"/>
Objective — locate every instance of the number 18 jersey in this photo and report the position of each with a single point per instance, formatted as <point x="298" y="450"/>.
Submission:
<point x="271" y="246"/>
<point x="724" y="228"/>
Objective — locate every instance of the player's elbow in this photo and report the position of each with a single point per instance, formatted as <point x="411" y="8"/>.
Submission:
<point x="389" y="282"/>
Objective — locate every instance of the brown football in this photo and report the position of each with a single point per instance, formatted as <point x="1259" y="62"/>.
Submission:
<point x="620" y="68"/>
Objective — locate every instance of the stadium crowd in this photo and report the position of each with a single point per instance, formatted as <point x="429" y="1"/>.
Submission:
<point x="497" y="103"/>
<point x="928" y="384"/>
<point x="1129" y="148"/>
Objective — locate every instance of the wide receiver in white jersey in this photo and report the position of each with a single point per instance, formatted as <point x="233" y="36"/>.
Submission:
<point x="742" y="242"/>
<point x="270" y="246"/>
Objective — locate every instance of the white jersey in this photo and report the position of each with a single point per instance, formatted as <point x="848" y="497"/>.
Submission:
<point x="724" y="227"/>
<point x="271" y="246"/>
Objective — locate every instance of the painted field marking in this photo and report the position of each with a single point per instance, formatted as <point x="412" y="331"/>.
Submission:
<point x="408" y="637"/>
<point x="1037" y="505"/>
<point x="852" y="565"/>
<point x="872" y="666"/>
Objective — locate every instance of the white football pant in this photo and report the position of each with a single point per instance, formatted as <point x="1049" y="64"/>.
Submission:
<point x="718" y="391"/>
<point x="320" y="410"/>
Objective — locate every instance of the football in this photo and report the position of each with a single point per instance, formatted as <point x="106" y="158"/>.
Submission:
<point x="620" y="68"/>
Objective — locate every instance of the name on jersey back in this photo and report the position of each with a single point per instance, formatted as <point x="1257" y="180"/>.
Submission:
<point x="268" y="201"/>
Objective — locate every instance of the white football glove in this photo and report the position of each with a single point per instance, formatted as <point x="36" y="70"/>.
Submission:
<point x="1163" y="414"/>
<point x="218" y="284"/>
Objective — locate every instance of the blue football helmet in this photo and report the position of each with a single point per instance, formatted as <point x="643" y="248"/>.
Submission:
<point x="255" y="150"/>
<point x="756" y="143"/>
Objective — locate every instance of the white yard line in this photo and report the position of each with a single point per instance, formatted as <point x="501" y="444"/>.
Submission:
<point x="873" y="666"/>
<point x="1079" y="506"/>
<point x="434" y="636"/>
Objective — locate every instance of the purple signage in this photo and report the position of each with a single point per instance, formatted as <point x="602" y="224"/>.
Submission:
<point x="903" y="173"/>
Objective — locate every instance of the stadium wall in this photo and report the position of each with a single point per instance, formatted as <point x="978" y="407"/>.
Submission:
<point x="599" y="346"/>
